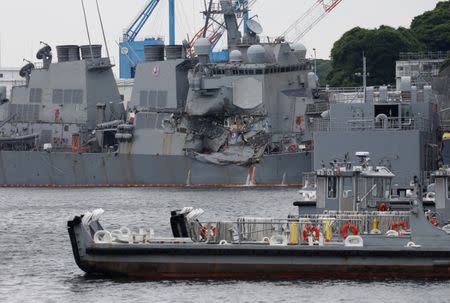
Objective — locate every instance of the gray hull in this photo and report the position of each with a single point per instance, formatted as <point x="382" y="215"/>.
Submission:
<point x="102" y="169"/>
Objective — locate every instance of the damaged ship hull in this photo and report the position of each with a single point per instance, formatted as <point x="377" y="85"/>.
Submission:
<point x="65" y="169"/>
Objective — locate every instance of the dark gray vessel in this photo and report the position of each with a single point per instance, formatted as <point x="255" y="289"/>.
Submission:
<point x="258" y="119"/>
<point x="343" y="233"/>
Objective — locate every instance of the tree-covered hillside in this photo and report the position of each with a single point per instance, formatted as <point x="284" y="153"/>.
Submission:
<point x="428" y="32"/>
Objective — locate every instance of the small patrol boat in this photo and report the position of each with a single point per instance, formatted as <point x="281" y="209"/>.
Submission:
<point x="351" y="228"/>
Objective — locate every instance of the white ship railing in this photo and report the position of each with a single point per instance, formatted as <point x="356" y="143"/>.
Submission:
<point x="440" y="55"/>
<point x="254" y="229"/>
<point x="357" y="95"/>
<point x="390" y="124"/>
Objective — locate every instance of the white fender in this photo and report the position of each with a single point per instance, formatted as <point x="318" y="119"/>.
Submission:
<point x="125" y="231"/>
<point x="116" y="235"/>
<point x="278" y="240"/>
<point x="375" y="232"/>
<point x="223" y="242"/>
<point x="96" y="214"/>
<point x="86" y="218"/>
<point x="102" y="237"/>
<point x="354" y="241"/>
<point x="446" y="228"/>
<point x="392" y="233"/>
<point x="413" y="245"/>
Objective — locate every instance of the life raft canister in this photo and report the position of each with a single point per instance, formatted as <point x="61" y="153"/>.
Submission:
<point x="346" y="227"/>
<point x="398" y="224"/>
<point x="311" y="230"/>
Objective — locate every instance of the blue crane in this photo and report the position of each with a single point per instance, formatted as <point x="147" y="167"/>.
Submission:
<point x="131" y="49"/>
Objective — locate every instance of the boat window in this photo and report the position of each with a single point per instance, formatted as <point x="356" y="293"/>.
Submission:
<point x="152" y="98"/>
<point x="35" y="95"/>
<point x="387" y="188"/>
<point x="58" y="96"/>
<point x="162" y="99"/>
<point x="448" y="188"/>
<point x="348" y="184"/>
<point x="378" y="190"/>
<point x="347" y="187"/>
<point x="332" y="187"/>
<point x="77" y="97"/>
<point x="68" y="93"/>
<point x="380" y="183"/>
<point x="361" y="187"/>
<point x="143" y="97"/>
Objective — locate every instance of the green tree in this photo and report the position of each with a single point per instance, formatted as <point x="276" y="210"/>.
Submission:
<point x="445" y="64"/>
<point x="323" y="69"/>
<point x="432" y="28"/>
<point x="381" y="47"/>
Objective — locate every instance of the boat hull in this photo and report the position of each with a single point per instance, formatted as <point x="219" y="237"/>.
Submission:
<point x="41" y="169"/>
<point x="254" y="261"/>
<point x="266" y="263"/>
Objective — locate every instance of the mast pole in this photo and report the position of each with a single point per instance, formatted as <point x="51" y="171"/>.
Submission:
<point x="172" y="22"/>
<point x="103" y="29"/>
<point x="87" y="28"/>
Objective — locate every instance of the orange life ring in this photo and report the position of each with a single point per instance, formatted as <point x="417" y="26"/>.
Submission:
<point x="311" y="230"/>
<point x="398" y="224"/>
<point x="433" y="221"/>
<point x="204" y="230"/>
<point x="293" y="148"/>
<point x="382" y="207"/>
<point x="345" y="229"/>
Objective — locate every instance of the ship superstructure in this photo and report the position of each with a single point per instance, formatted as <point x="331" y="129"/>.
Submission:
<point x="57" y="106"/>
<point x="259" y="118"/>
<point x="400" y="127"/>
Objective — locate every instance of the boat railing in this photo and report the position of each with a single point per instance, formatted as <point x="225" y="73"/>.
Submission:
<point x="393" y="124"/>
<point x="18" y="83"/>
<point x="439" y="55"/>
<point x="358" y="95"/>
<point x="330" y="224"/>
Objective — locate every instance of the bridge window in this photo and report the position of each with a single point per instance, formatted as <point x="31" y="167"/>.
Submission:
<point x="448" y="188"/>
<point x="378" y="190"/>
<point x="348" y="184"/>
<point x="347" y="187"/>
<point x="332" y="187"/>
<point x="35" y="95"/>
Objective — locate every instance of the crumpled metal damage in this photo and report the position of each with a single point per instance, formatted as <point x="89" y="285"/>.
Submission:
<point x="238" y="155"/>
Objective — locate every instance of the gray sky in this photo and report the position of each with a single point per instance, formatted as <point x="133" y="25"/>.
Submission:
<point x="23" y="23"/>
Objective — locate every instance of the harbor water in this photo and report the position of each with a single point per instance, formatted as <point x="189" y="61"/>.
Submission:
<point x="37" y="265"/>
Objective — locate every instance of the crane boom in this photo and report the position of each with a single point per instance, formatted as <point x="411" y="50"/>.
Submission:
<point x="310" y="18"/>
<point x="139" y="22"/>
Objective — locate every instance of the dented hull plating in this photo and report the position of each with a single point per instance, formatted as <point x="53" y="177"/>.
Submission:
<point x="40" y="169"/>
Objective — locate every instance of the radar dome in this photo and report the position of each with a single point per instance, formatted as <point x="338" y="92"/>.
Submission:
<point x="202" y="47"/>
<point x="235" y="56"/>
<point x="299" y="50"/>
<point x="254" y="27"/>
<point x="256" y="54"/>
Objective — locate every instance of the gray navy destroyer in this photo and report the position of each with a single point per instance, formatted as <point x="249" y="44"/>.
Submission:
<point x="258" y="119"/>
